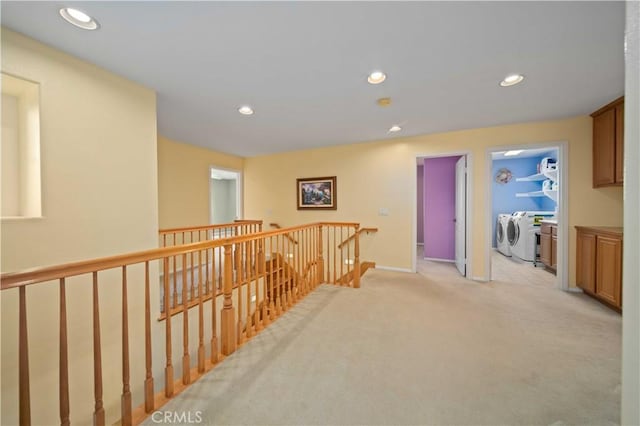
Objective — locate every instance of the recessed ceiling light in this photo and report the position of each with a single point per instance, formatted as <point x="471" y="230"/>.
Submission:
<point x="511" y="80"/>
<point x="395" y="128"/>
<point x="376" y="77"/>
<point x="512" y="153"/>
<point x="79" y="18"/>
<point x="245" y="110"/>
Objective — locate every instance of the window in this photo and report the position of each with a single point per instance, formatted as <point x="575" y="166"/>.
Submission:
<point x="20" y="141"/>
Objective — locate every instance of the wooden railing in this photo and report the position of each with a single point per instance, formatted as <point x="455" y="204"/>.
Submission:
<point x="351" y="238"/>
<point x="277" y="226"/>
<point x="194" y="234"/>
<point x="264" y="272"/>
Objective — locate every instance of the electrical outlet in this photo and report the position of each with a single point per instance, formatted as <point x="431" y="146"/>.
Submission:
<point x="383" y="211"/>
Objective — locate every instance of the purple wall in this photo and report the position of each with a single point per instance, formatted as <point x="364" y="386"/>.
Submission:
<point x="439" y="207"/>
<point x="420" y="204"/>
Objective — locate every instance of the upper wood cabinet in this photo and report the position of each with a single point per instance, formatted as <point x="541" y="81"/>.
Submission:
<point x="608" y="144"/>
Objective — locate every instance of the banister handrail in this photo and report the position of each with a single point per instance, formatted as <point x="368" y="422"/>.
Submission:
<point x="236" y="222"/>
<point x="367" y="230"/>
<point x="36" y="275"/>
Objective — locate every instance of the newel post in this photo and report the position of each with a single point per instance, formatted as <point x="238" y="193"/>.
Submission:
<point x="356" y="260"/>
<point x="320" y="265"/>
<point x="227" y="316"/>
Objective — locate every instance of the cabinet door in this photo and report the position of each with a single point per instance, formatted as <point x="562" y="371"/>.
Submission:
<point x="554" y="252"/>
<point x="609" y="269"/>
<point x="604" y="126"/>
<point x="545" y="249"/>
<point x="619" y="143"/>
<point x="586" y="262"/>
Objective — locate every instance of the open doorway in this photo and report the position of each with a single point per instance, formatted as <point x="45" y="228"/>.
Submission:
<point x="527" y="215"/>
<point x="225" y="195"/>
<point x="441" y="213"/>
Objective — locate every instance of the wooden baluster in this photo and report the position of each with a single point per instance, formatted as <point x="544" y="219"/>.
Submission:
<point x="291" y="271"/>
<point x="313" y="245"/>
<point x="148" y="381"/>
<point x="98" y="412"/>
<point x="327" y="275"/>
<point x="278" y="277"/>
<point x="227" y="317"/>
<point x="356" y="255"/>
<point x="307" y="247"/>
<point x="239" y="280"/>
<point x="249" y="275"/>
<point x="286" y="300"/>
<point x="334" y="247"/>
<point x="164" y="240"/>
<point x="193" y="283"/>
<point x="207" y="283"/>
<point x="259" y="313"/>
<point x="23" y="362"/>
<point x="320" y="258"/>
<point x="168" y="370"/>
<point x="214" y="311"/>
<point x="200" y="316"/>
<point x="64" y="359"/>
<point x="175" y="284"/>
<point x="341" y="258"/>
<point x="349" y="262"/>
<point x="272" y="277"/>
<point x="186" y="361"/>
<point x="301" y="283"/>
<point x="126" y="408"/>
<point x="219" y="282"/>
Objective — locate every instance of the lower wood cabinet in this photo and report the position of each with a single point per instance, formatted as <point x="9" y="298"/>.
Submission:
<point x="549" y="245"/>
<point x="599" y="263"/>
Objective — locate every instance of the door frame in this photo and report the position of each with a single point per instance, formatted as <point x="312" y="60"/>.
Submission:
<point x="469" y="208"/>
<point x="562" y="273"/>
<point x="239" y="191"/>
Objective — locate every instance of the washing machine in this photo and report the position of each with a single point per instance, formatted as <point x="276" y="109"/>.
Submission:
<point x="501" y="234"/>
<point x="522" y="230"/>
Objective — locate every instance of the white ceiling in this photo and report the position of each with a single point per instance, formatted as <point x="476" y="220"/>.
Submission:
<point x="527" y="153"/>
<point x="303" y="65"/>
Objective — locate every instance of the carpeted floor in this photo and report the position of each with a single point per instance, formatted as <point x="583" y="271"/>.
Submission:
<point x="422" y="349"/>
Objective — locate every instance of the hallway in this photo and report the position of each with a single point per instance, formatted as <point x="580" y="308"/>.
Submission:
<point x="414" y="349"/>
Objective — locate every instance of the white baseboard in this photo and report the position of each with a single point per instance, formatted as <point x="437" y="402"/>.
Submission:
<point x="480" y="279"/>
<point x="394" y="269"/>
<point x="574" y="290"/>
<point x="435" y="259"/>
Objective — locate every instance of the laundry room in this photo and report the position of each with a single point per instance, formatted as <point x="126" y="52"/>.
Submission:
<point x="525" y="210"/>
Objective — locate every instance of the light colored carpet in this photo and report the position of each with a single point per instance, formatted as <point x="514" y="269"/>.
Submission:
<point x="422" y="350"/>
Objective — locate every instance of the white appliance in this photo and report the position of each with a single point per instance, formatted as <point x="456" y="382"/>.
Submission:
<point x="501" y="234"/>
<point x="522" y="230"/>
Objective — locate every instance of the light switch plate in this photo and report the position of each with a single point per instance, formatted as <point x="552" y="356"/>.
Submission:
<point x="383" y="211"/>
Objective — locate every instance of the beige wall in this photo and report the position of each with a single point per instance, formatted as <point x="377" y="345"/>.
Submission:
<point x="99" y="197"/>
<point x="383" y="175"/>
<point x="183" y="181"/>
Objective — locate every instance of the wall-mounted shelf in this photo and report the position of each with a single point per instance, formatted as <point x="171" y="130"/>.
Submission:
<point x="550" y="173"/>
<point x="530" y="194"/>
<point x="533" y="178"/>
<point x="551" y="193"/>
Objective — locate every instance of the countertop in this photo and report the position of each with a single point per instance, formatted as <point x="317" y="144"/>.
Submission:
<point x="612" y="230"/>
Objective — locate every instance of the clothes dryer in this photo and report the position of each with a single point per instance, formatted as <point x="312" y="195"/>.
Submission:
<point x="502" y="242"/>
<point x="522" y="231"/>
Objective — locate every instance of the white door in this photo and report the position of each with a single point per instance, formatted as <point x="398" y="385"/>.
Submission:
<point x="461" y="216"/>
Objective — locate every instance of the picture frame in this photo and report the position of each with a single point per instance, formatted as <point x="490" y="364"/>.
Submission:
<point x="318" y="193"/>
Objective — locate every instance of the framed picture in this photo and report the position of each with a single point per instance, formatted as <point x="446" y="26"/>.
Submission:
<point x="317" y="193"/>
